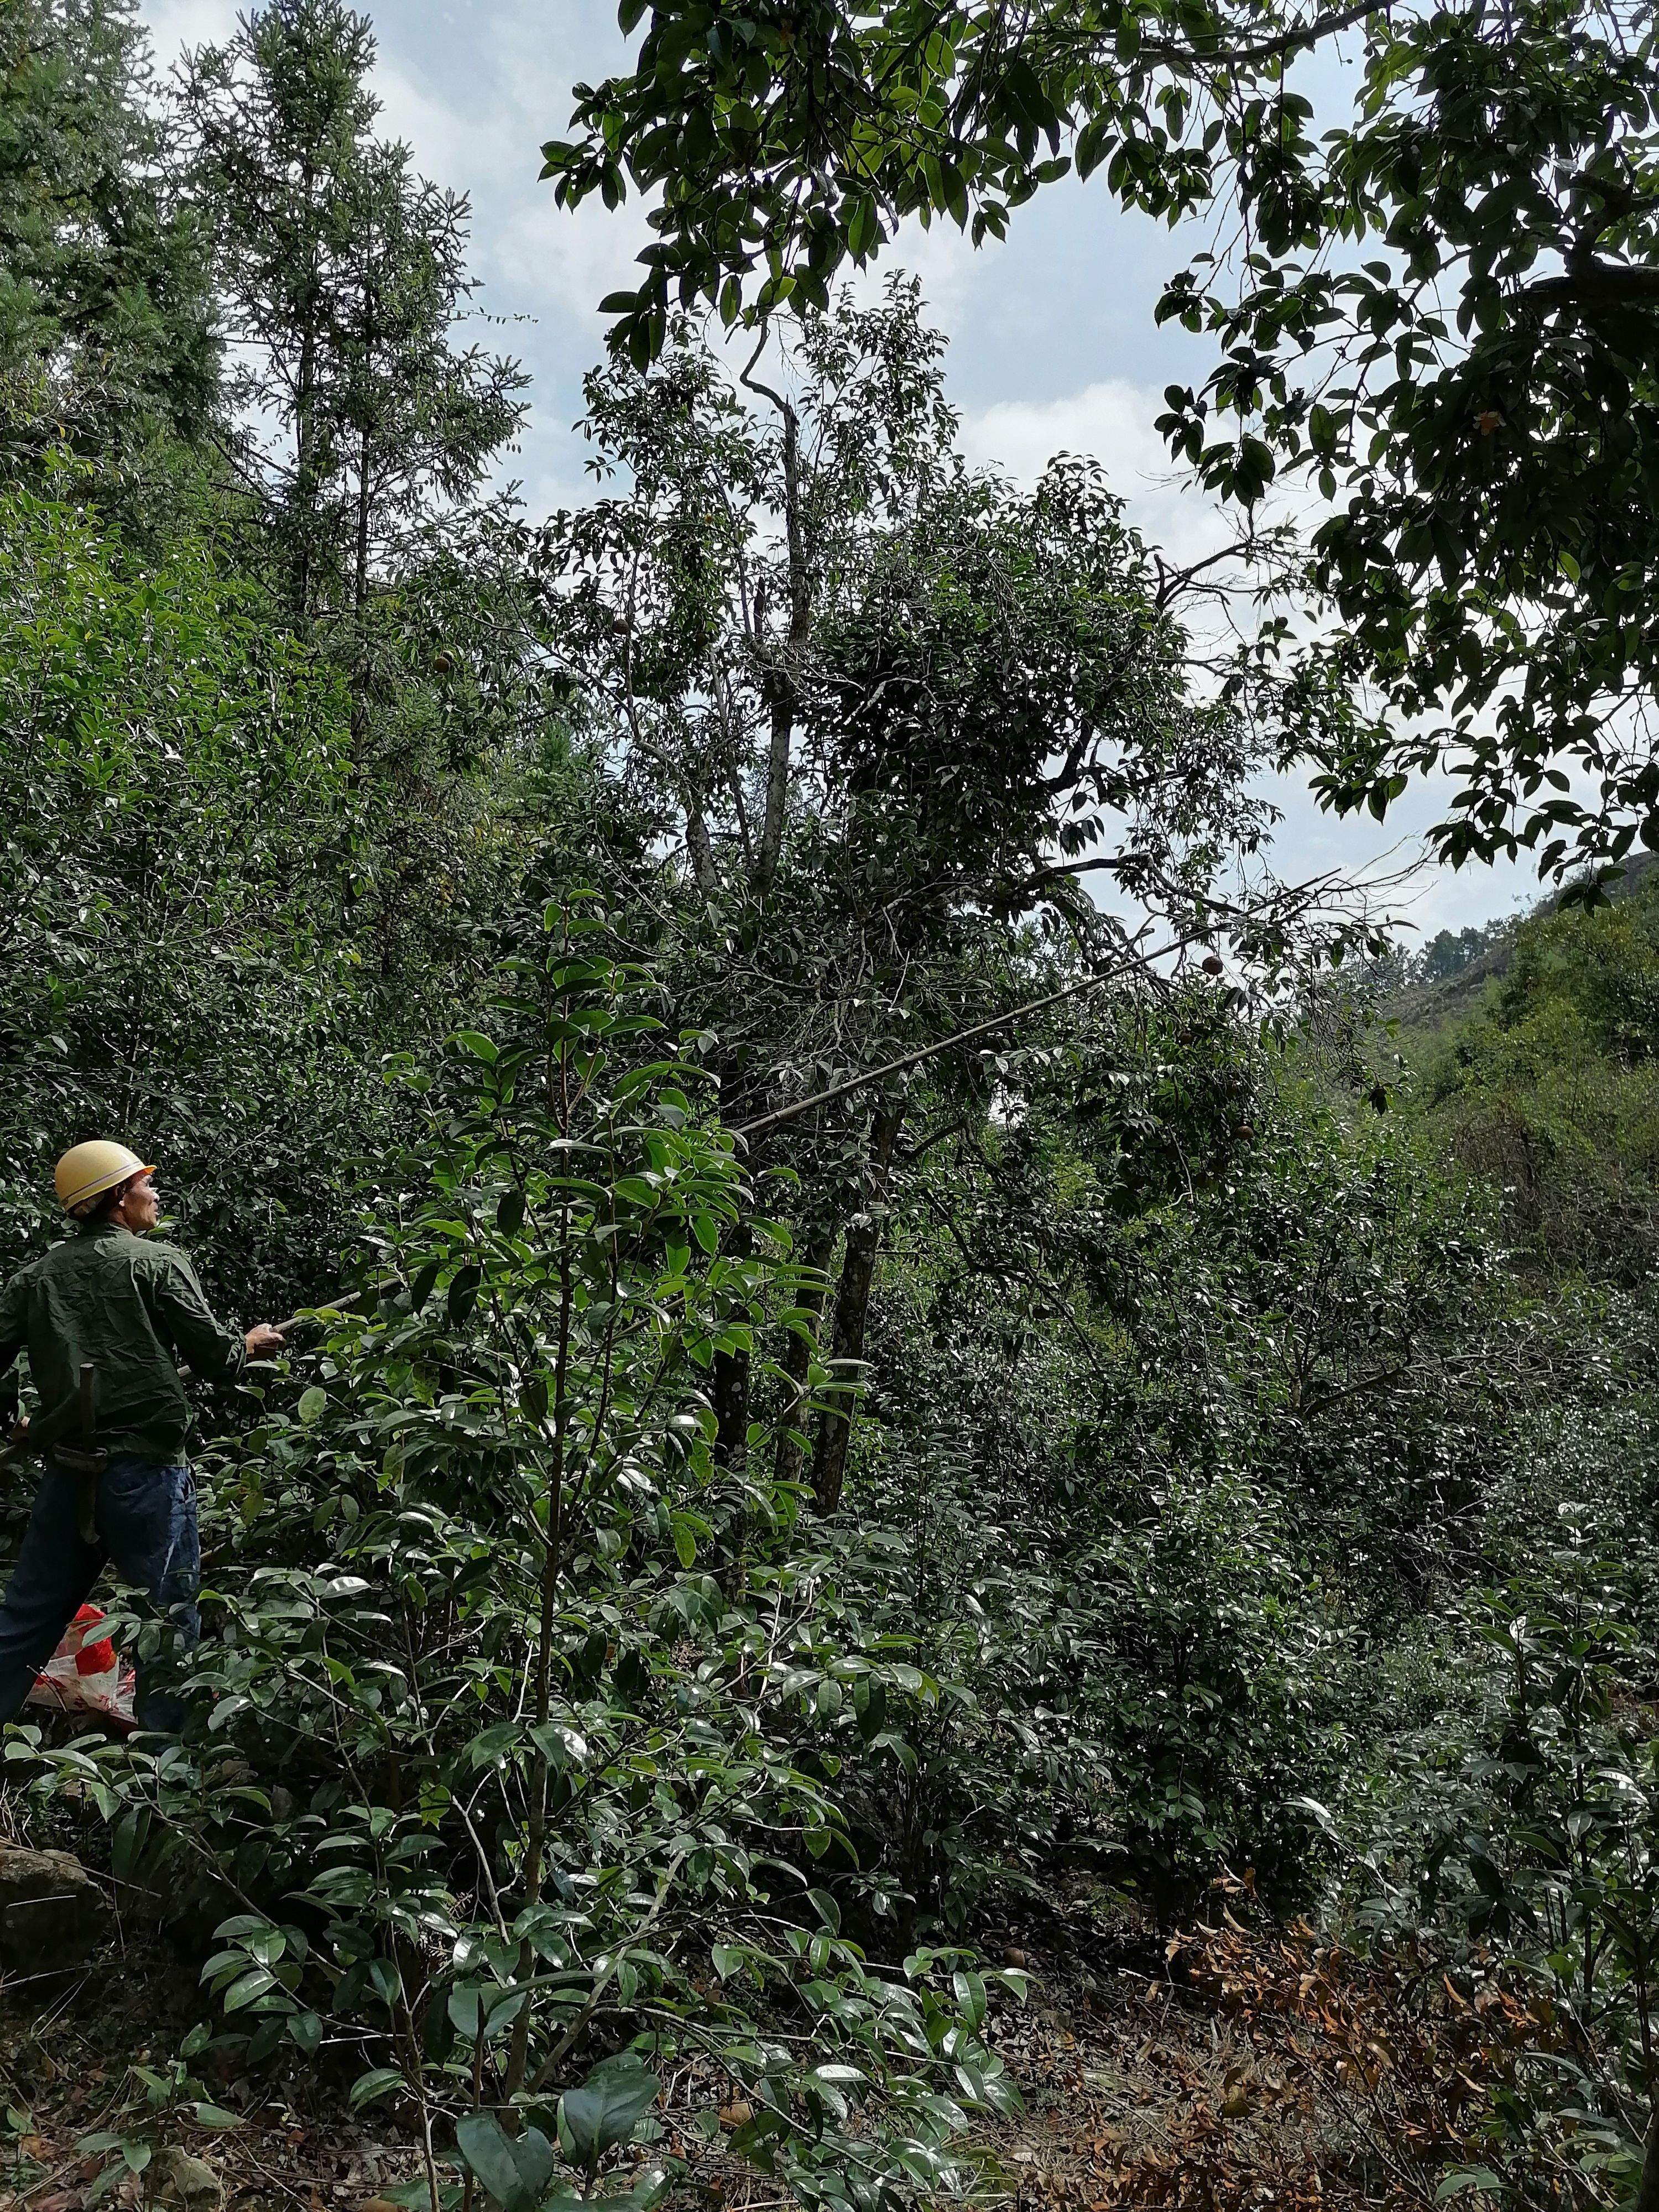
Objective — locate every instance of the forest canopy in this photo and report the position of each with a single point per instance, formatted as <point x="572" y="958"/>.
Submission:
<point x="864" y="1471"/>
<point x="1432" y="305"/>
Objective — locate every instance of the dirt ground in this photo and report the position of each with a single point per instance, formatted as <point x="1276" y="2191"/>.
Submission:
<point x="1240" y="2064"/>
<point x="1237" y="2065"/>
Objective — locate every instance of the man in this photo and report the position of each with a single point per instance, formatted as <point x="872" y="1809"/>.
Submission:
<point x="105" y="1299"/>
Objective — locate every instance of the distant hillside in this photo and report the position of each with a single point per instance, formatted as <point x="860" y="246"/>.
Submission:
<point x="1535" y="1067"/>
<point x="1430" y="1000"/>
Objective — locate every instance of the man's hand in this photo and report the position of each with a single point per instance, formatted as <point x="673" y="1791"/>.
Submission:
<point x="264" y="1342"/>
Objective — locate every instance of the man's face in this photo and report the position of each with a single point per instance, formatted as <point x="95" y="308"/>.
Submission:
<point x="140" y="1205"/>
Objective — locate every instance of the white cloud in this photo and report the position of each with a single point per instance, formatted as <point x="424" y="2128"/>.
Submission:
<point x="570" y="259"/>
<point x="1110" y="421"/>
<point x="175" y="25"/>
<point x="447" y="144"/>
<point x="939" y="254"/>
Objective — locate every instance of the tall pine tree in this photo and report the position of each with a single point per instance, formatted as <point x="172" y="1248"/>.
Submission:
<point x="342" y="279"/>
<point x="106" y="336"/>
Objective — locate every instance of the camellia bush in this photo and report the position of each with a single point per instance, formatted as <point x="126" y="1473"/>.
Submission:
<point x="1514" y="1849"/>
<point x="175" y="790"/>
<point x="521" y="1719"/>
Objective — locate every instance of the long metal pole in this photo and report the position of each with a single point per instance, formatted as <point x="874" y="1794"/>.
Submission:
<point x="987" y="1027"/>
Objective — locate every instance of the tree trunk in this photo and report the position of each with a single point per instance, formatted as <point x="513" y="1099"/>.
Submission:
<point x="785" y="683"/>
<point x="360" y="588"/>
<point x="305" y="489"/>
<point x="797" y="1358"/>
<point x="359" y="670"/>
<point x="701" y="847"/>
<point x="858" y="1269"/>
<point x="1647" y="2194"/>
<point x="730" y="1388"/>
<point x="731" y="1397"/>
<point x="305" y="448"/>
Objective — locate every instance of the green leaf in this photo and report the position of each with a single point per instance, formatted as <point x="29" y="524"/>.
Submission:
<point x="485" y="2003"/>
<point x="762" y="2128"/>
<point x="379" y="2081"/>
<point x="604" y="2111"/>
<point x="870" y="1707"/>
<point x="243" y="1991"/>
<point x="515" y="2170"/>
<point x="313" y="1404"/>
<point x="126" y="1845"/>
<point x="493" y="1742"/>
<point x="649" y="2189"/>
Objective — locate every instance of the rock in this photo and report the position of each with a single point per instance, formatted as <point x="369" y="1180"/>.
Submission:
<point x="175" y="2177"/>
<point x="53" y="1913"/>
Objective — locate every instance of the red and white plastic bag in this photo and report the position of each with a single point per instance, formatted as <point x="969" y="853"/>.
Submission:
<point x="84" y="1676"/>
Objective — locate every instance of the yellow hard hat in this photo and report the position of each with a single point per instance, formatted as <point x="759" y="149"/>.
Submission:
<point x="85" y="1171"/>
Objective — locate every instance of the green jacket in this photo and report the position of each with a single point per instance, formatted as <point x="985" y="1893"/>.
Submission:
<point x="127" y="1303"/>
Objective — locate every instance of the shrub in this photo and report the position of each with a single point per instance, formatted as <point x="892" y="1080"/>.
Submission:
<point x="524" y="1715"/>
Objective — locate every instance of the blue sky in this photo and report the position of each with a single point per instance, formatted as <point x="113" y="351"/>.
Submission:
<point x="1052" y="344"/>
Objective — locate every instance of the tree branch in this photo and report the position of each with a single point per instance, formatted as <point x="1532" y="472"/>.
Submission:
<point x="1281" y="48"/>
<point x="1590" y="282"/>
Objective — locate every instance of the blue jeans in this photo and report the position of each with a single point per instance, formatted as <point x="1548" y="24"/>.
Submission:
<point x="146" y="1521"/>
